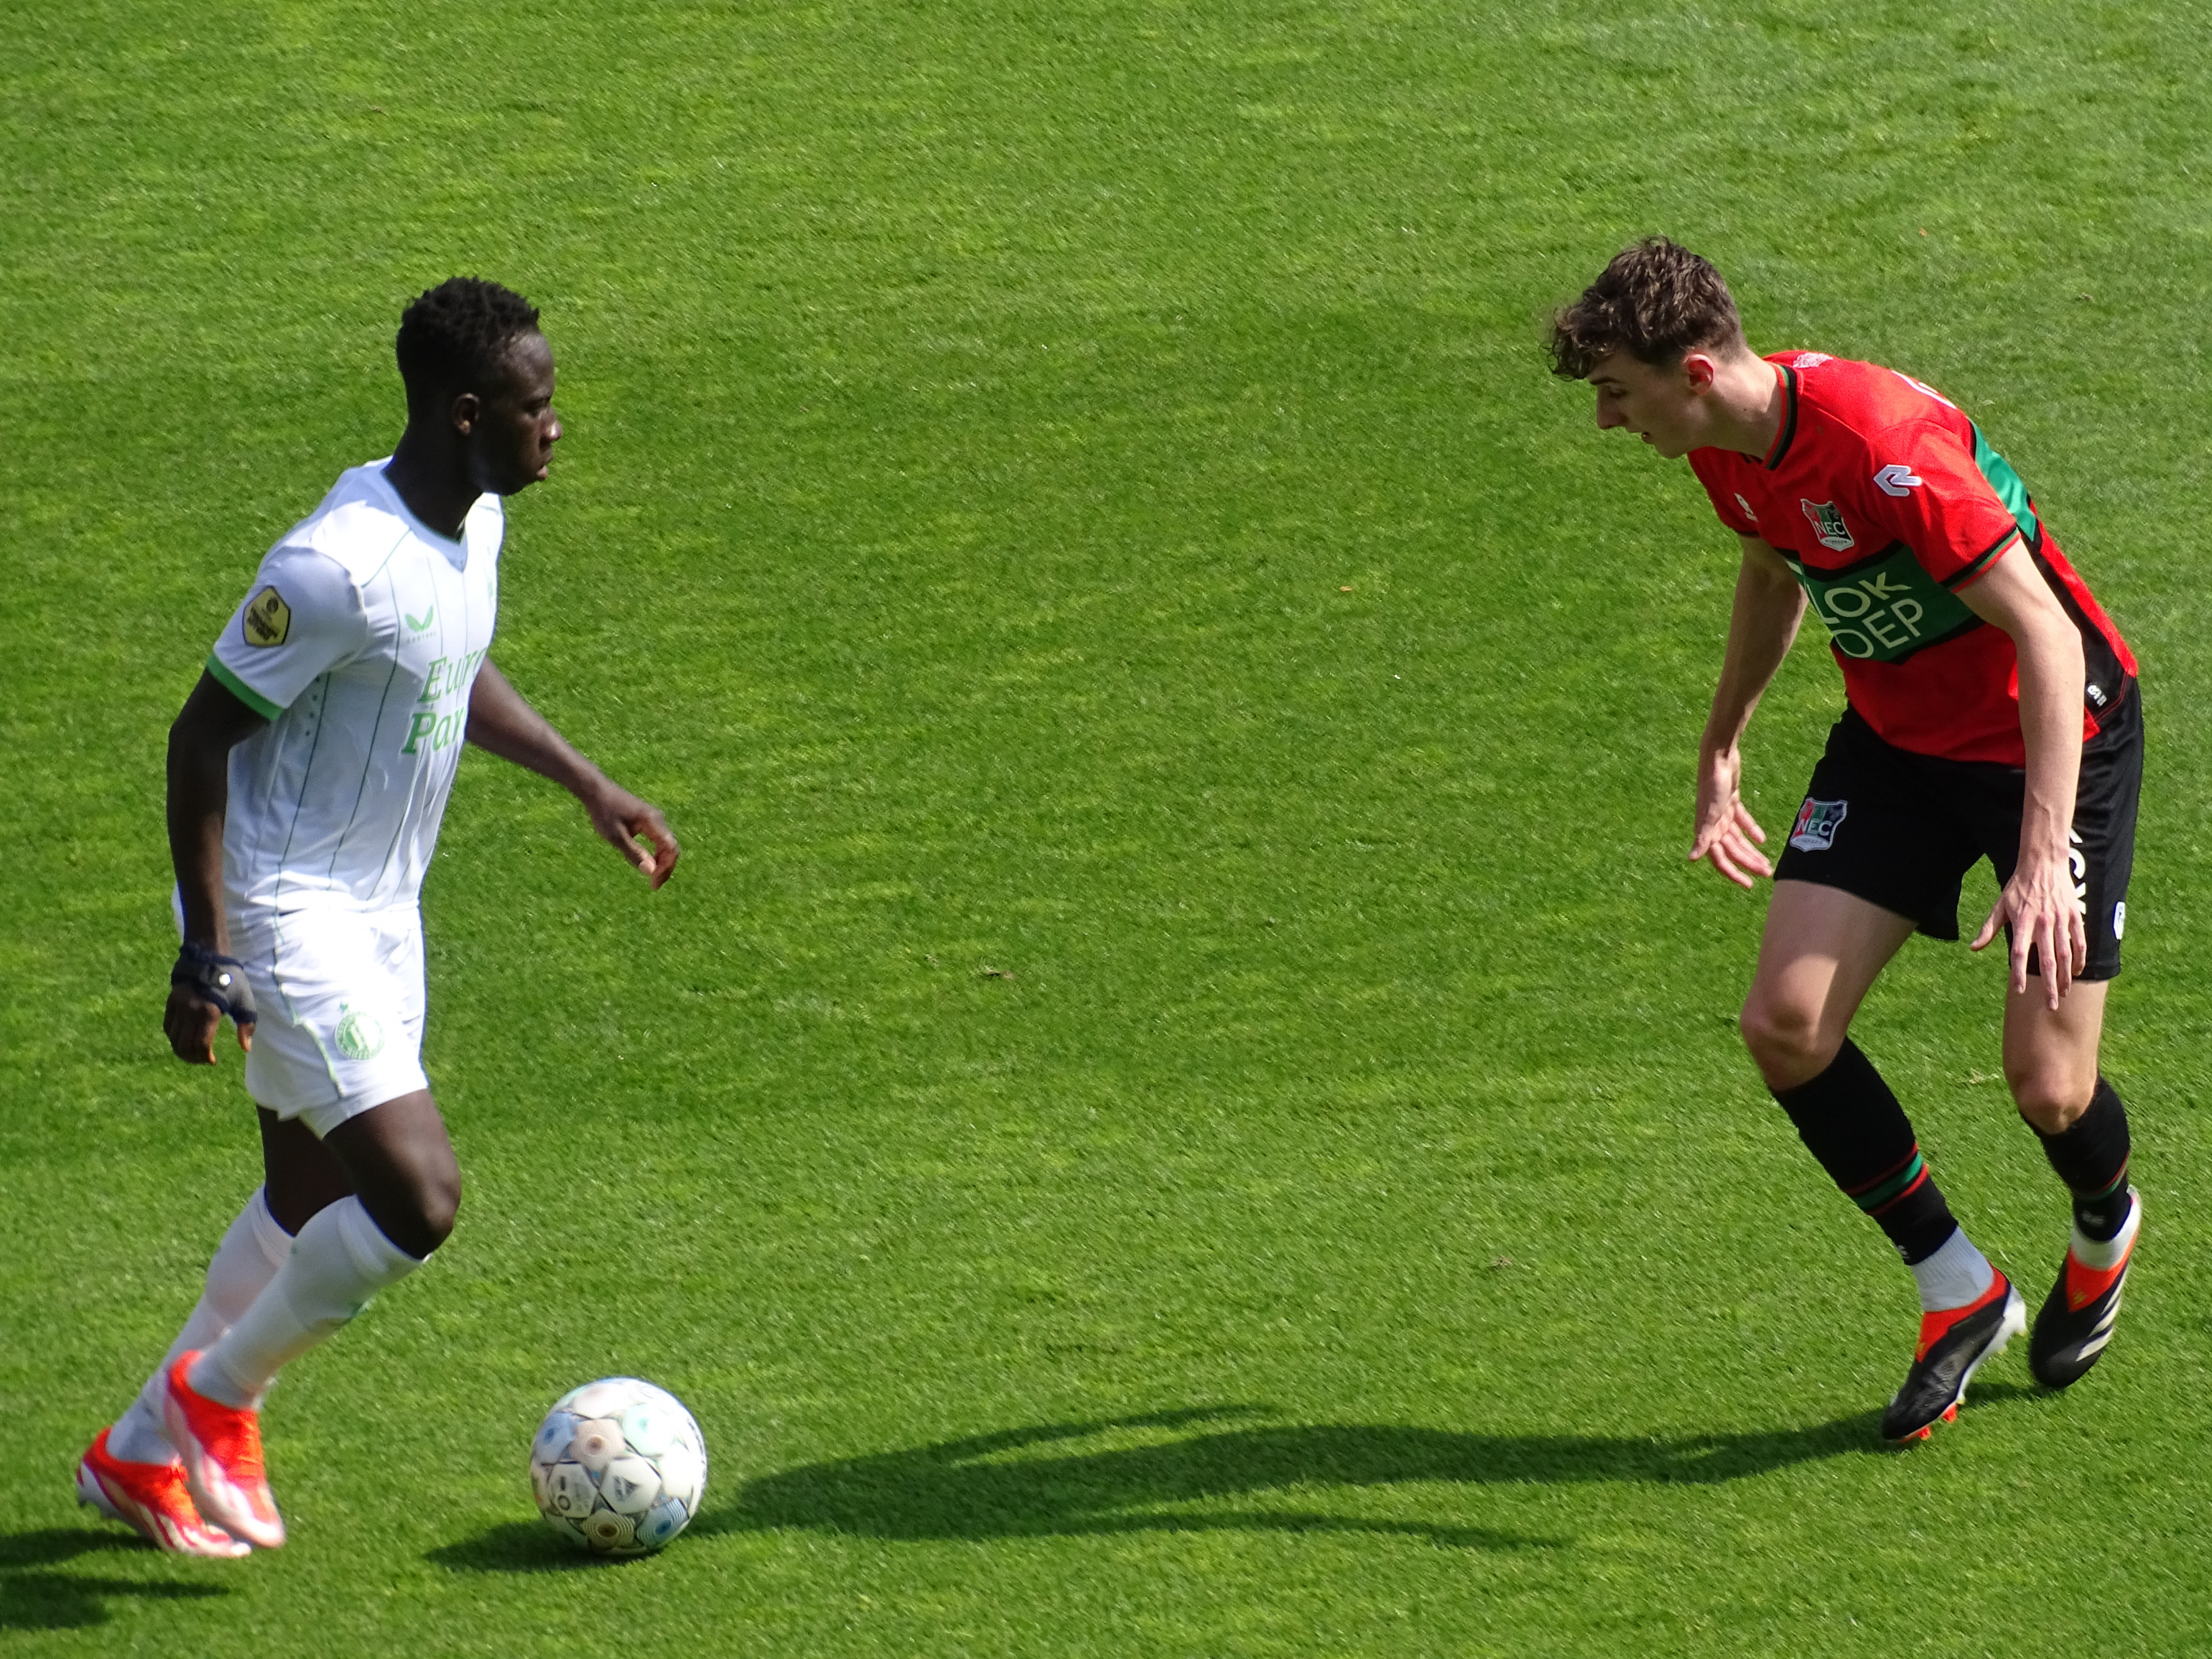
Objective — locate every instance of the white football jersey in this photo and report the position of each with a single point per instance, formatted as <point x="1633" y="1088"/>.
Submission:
<point x="360" y="639"/>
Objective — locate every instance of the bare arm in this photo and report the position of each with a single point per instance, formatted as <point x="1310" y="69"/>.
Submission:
<point x="502" y="722"/>
<point x="2038" y="901"/>
<point x="1762" y="626"/>
<point x="212" y="723"/>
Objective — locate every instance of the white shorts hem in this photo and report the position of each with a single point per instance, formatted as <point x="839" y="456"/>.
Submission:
<point x="325" y="1115"/>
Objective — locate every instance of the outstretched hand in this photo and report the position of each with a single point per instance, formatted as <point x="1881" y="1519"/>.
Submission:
<point x="2039" y="904"/>
<point x="634" y="829"/>
<point x="1726" y="830"/>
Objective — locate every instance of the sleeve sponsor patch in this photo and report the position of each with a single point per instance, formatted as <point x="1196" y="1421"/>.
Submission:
<point x="268" y="619"/>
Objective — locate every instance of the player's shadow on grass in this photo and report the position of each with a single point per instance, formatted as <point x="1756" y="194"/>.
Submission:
<point x="34" y="1596"/>
<point x="1035" y="1482"/>
<point x="1042" y="1482"/>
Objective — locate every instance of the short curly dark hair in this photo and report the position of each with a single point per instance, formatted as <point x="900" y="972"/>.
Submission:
<point x="454" y="338"/>
<point x="1654" y="301"/>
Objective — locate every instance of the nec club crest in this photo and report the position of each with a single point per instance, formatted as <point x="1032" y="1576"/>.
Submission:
<point x="1817" y="824"/>
<point x="1827" y="523"/>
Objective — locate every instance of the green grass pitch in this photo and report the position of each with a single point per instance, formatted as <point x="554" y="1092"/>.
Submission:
<point x="1182" y="1101"/>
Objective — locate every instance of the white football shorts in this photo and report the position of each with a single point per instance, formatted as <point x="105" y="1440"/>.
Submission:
<point x="339" y="993"/>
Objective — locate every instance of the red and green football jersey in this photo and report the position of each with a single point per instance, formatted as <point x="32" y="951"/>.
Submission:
<point x="1886" y="501"/>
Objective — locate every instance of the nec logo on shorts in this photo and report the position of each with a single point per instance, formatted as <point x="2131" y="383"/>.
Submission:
<point x="1817" y="822"/>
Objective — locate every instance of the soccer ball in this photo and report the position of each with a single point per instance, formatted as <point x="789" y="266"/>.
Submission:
<point x="618" y="1466"/>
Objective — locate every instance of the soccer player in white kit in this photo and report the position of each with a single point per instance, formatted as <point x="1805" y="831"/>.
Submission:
<point x="307" y="773"/>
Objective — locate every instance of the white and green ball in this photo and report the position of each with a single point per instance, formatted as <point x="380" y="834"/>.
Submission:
<point x="618" y="1466"/>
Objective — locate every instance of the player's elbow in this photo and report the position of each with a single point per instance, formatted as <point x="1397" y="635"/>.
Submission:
<point x="2051" y="649"/>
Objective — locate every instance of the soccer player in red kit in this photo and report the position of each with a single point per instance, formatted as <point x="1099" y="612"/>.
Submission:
<point x="1992" y="710"/>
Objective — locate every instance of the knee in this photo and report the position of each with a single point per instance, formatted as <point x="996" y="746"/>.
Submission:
<point x="2049" y="1099"/>
<point x="418" y="1215"/>
<point x="440" y="1206"/>
<point x="1786" y="1041"/>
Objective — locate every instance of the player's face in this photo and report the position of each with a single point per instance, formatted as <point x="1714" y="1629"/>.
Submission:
<point x="1660" y="405"/>
<point x="512" y="441"/>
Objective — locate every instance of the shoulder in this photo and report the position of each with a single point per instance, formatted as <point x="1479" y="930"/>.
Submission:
<point x="1865" y="406"/>
<point x="354" y="527"/>
<point x="299" y="582"/>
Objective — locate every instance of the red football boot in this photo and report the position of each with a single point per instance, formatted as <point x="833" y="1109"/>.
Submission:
<point x="151" y="1497"/>
<point x="221" y="1446"/>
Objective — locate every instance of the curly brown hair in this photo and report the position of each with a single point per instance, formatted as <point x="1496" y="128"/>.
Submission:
<point x="1654" y="301"/>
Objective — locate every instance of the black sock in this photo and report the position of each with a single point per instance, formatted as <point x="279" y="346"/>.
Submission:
<point x="1849" y="1120"/>
<point x="2091" y="1157"/>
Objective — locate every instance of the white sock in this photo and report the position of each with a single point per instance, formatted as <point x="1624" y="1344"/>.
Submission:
<point x="251" y="1251"/>
<point x="1954" y="1276"/>
<point x="339" y="1261"/>
<point x="2106" y="1254"/>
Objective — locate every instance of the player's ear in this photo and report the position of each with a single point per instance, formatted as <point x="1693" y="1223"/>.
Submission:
<point x="466" y="409"/>
<point x="1699" y="371"/>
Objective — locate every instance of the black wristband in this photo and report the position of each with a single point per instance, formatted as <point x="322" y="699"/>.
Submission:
<point x="217" y="978"/>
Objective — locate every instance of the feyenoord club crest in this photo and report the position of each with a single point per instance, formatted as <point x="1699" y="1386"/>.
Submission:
<point x="1816" y="825"/>
<point x="1827" y="523"/>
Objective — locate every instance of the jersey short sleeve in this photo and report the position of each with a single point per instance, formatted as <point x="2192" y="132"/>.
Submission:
<point x="302" y="617"/>
<point x="1929" y="489"/>
<point x="1730" y="507"/>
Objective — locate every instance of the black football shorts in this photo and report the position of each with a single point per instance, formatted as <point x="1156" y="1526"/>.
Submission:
<point x="1901" y="831"/>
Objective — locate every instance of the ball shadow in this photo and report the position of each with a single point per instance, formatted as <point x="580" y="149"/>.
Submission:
<point x="521" y="1547"/>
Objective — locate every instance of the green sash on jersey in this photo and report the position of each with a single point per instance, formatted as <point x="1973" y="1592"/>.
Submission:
<point x="1886" y="608"/>
<point x="1883" y="609"/>
<point x="2006" y="482"/>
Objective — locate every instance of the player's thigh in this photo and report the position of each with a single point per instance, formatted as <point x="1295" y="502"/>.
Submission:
<point x="300" y="1175"/>
<point x="2051" y="1054"/>
<point x="1820" y="953"/>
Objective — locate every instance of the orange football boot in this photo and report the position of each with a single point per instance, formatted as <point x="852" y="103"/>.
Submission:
<point x="221" y="1446"/>
<point x="152" y="1499"/>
